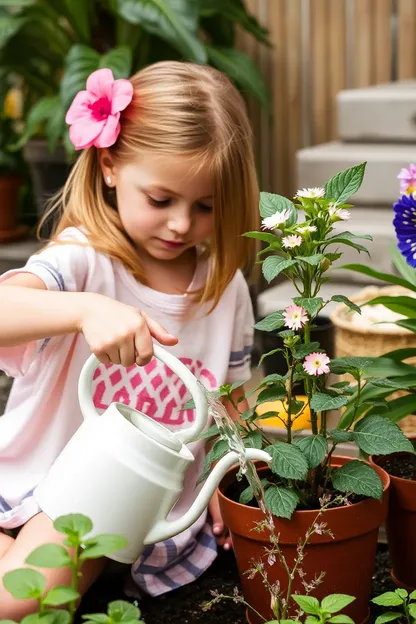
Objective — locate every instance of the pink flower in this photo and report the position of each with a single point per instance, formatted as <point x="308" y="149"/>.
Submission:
<point x="295" y="317"/>
<point x="316" y="364"/>
<point x="407" y="179"/>
<point x="94" y="115"/>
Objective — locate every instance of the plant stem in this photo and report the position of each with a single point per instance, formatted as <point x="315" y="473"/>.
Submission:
<point x="242" y="601"/>
<point x="289" y="423"/>
<point x="74" y="583"/>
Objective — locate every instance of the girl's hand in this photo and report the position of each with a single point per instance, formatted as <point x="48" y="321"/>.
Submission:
<point x="119" y="333"/>
<point x="220" y="531"/>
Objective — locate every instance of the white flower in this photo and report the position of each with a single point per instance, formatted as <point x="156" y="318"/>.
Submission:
<point x="295" y="316"/>
<point x="292" y="241"/>
<point x="305" y="229"/>
<point x="311" y="193"/>
<point x="338" y="213"/>
<point x="316" y="364"/>
<point x="276" y="220"/>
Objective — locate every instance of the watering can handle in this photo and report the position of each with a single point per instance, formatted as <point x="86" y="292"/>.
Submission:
<point x="201" y="408"/>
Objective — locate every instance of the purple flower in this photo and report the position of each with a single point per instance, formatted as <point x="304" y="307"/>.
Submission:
<point x="405" y="225"/>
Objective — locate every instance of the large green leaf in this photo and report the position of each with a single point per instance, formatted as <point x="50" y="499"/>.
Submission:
<point x="384" y="277"/>
<point x="314" y="447"/>
<point x="80" y="63"/>
<point x="24" y="583"/>
<point x="344" y="184"/>
<point x="119" y="60"/>
<point x="45" y="109"/>
<point x="399" y="304"/>
<point x="398" y="408"/>
<point x="9" y="26"/>
<point x="350" y="304"/>
<point x="272" y="322"/>
<point x="73" y="524"/>
<point x="59" y="595"/>
<point x="376" y="435"/>
<point x="102" y="546"/>
<point x="282" y="502"/>
<point x="336" y="602"/>
<point x="347" y="238"/>
<point x="288" y="461"/>
<point x="175" y="21"/>
<point x="312" y="305"/>
<point x="323" y="402"/>
<point x="235" y="11"/>
<point x="407" y="272"/>
<point x="78" y="13"/>
<point x="409" y="324"/>
<point x="241" y="69"/>
<point x="50" y="556"/>
<point x="55" y="126"/>
<point x="359" y="478"/>
<point x="313" y="260"/>
<point x="270" y="203"/>
<point x="274" y="265"/>
<point x="123" y="611"/>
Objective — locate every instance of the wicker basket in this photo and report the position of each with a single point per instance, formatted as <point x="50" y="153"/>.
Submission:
<point x="351" y="340"/>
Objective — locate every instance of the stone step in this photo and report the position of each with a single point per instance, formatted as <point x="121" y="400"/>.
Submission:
<point x="382" y="113"/>
<point x="380" y="187"/>
<point x="15" y="255"/>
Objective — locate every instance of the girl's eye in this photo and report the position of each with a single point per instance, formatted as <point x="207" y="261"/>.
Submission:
<point x="158" y="203"/>
<point x="204" y="207"/>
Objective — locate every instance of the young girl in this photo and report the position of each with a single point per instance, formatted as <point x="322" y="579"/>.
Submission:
<point x="150" y="237"/>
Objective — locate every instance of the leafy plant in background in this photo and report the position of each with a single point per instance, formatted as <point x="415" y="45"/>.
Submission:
<point x="302" y="245"/>
<point x="52" y="47"/>
<point x="26" y="583"/>
<point x="403" y="604"/>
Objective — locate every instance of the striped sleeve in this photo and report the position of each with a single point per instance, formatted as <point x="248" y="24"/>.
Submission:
<point x="239" y="368"/>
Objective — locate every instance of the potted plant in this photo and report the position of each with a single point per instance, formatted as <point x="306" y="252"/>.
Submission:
<point x="52" y="47"/>
<point x="306" y="478"/>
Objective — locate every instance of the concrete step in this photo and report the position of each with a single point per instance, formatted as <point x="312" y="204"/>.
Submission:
<point x="15" y="255"/>
<point x="315" y="165"/>
<point x="382" y="113"/>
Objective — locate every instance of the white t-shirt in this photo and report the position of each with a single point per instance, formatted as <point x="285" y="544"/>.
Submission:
<point x="43" y="411"/>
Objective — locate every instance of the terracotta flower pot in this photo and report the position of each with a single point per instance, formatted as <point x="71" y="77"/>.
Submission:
<point x="347" y="560"/>
<point x="400" y="527"/>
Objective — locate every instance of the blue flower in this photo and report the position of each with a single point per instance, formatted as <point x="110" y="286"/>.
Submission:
<point x="405" y="225"/>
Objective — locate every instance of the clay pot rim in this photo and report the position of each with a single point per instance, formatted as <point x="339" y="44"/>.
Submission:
<point x="331" y="510"/>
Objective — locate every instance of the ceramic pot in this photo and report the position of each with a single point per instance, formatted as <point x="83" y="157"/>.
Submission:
<point x="400" y="527"/>
<point x="347" y="559"/>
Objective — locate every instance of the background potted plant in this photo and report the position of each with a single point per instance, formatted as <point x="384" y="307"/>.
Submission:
<point x="52" y="47"/>
<point x="305" y="473"/>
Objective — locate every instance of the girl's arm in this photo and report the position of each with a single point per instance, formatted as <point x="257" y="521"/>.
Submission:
<point x="114" y="331"/>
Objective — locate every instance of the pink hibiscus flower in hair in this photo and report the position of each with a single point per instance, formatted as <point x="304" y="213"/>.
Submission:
<point x="94" y="115"/>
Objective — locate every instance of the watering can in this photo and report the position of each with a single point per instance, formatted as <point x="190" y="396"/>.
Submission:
<point x="126" y="471"/>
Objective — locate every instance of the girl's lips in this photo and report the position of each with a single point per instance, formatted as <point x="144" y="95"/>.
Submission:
<point x="171" y="244"/>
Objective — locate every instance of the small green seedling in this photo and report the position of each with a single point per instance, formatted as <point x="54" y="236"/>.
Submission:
<point x="403" y="603"/>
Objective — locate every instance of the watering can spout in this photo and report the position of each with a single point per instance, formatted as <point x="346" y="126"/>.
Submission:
<point x="164" y="529"/>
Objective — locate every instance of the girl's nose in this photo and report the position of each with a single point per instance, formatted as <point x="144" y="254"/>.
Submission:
<point x="180" y="221"/>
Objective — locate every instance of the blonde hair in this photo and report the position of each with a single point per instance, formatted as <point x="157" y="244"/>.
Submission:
<point x="177" y="108"/>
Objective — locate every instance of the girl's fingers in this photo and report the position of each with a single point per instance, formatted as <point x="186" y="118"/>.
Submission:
<point x="127" y="353"/>
<point x="143" y="345"/>
<point x="114" y="355"/>
<point x="159" y="332"/>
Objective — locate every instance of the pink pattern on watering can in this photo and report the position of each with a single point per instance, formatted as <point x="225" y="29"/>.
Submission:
<point x="152" y="389"/>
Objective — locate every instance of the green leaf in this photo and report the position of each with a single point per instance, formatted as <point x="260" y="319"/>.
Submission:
<point x="219" y="449"/>
<point x="119" y="60"/>
<point x="81" y="61"/>
<point x="399" y="261"/>
<point x="73" y="524"/>
<point x="288" y="461"/>
<point x="55" y="616"/>
<point x="388" y="599"/>
<point x="236" y="13"/>
<point x="38" y="114"/>
<point x="174" y="21"/>
<point x="350" y="304"/>
<point x="409" y="324"/>
<point x="413" y="595"/>
<point x="253" y="439"/>
<point x="344" y="184"/>
<point x="9" y="27"/>
<point x="24" y="583"/>
<point x="282" y="502"/>
<point x="306" y="349"/>
<point x="266" y="237"/>
<point x="341" y="619"/>
<point x="322" y="402"/>
<point x="271" y="322"/>
<point x="308" y="604"/>
<point x="273" y="379"/>
<point x="399" y="304"/>
<point x="7" y="622"/>
<point x="273" y="393"/>
<point x="402" y="593"/>
<point x="352" y="365"/>
<point x="123" y="611"/>
<point x="376" y="435"/>
<point x="314" y="447"/>
<point x="388" y="617"/>
<point x="358" y="478"/>
<point x="59" y="595"/>
<point x="394" y="384"/>
<point x="384" y="277"/>
<point x="102" y="546"/>
<point x="99" y="618"/>
<point x="311" y="305"/>
<point x="412" y="611"/>
<point x="311" y="619"/>
<point x="336" y="602"/>
<point x="55" y="126"/>
<point x="265" y="355"/>
<point x="338" y="436"/>
<point x="247" y="495"/>
<point x="313" y="260"/>
<point x="270" y="203"/>
<point x="78" y="14"/>
<point x="274" y="265"/>
<point x="212" y="432"/>
<point x="50" y="556"/>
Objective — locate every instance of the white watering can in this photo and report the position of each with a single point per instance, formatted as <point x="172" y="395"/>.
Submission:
<point x="126" y="471"/>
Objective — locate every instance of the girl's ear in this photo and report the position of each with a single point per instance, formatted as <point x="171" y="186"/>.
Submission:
<point x="107" y="168"/>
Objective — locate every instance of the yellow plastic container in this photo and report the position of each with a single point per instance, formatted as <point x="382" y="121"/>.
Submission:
<point x="303" y="422"/>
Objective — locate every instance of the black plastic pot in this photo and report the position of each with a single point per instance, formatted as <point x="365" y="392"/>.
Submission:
<point x="323" y="332"/>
